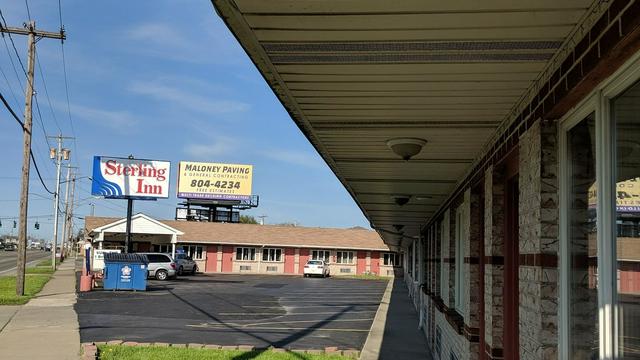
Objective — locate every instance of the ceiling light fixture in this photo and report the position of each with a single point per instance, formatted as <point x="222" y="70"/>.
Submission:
<point x="423" y="197"/>
<point x="406" y="148"/>
<point x="401" y="199"/>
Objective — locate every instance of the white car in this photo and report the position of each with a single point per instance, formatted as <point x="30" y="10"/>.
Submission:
<point x="316" y="267"/>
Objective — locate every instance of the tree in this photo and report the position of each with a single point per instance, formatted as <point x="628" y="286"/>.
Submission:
<point x="248" y="219"/>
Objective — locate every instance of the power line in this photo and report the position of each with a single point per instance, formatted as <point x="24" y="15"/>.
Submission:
<point x="13" y="65"/>
<point x="26" y="2"/>
<point x="13" y="44"/>
<point x="4" y="25"/>
<point x="66" y="81"/>
<point x="6" y="79"/>
<point x="46" y="92"/>
<point x="33" y="159"/>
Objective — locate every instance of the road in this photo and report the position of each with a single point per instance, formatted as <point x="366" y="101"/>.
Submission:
<point x="8" y="260"/>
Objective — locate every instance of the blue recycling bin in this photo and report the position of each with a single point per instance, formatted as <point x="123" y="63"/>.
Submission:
<point x="125" y="271"/>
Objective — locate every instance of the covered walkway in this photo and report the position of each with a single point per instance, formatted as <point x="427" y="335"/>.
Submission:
<point x="395" y="333"/>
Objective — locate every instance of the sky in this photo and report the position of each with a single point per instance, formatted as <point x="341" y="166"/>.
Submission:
<point x="160" y="80"/>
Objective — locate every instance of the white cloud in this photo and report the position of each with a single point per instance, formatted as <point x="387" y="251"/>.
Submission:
<point x="212" y="43"/>
<point x="116" y="119"/>
<point x="188" y="100"/>
<point x="295" y="157"/>
<point x="213" y="148"/>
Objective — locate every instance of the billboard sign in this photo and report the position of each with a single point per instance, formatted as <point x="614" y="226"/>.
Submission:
<point x="214" y="181"/>
<point x="627" y="196"/>
<point x="122" y="178"/>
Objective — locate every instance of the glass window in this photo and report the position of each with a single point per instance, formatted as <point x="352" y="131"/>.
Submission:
<point x="390" y="259"/>
<point x="193" y="251"/>
<point x="625" y="111"/>
<point x="162" y="248"/>
<point x="243" y="253"/>
<point x="271" y="254"/>
<point x="344" y="257"/>
<point x="583" y="251"/>
<point x="320" y="255"/>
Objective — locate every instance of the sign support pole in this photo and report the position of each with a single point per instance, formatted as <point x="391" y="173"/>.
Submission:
<point x="128" y="243"/>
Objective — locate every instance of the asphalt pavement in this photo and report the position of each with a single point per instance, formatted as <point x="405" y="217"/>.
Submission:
<point x="262" y="311"/>
<point x="8" y="260"/>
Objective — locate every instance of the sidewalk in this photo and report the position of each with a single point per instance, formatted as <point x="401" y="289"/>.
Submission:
<point x="394" y="334"/>
<point x="47" y="326"/>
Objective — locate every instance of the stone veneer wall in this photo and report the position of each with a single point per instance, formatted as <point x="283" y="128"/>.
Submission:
<point x="538" y="242"/>
<point x="494" y="261"/>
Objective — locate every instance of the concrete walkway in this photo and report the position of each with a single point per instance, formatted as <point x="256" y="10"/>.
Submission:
<point x="47" y="326"/>
<point x="394" y="334"/>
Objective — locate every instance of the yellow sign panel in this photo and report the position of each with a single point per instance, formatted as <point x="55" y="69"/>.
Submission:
<point x="215" y="181"/>
<point x="627" y="196"/>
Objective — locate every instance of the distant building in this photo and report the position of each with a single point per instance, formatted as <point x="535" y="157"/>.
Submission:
<point x="249" y="248"/>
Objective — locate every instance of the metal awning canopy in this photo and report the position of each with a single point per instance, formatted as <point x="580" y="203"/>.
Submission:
<point x="355" y="73"/>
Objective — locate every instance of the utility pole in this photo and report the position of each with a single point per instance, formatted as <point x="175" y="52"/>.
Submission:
<point x="69" y="217"/>
<point x="65" y="227"/>
<point x="66" y="209"/>
<point x="29" y="29"/>
<point x="58" y="155"/>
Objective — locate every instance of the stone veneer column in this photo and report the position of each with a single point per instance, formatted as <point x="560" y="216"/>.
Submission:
<point x="538" y="243"/>
<point x="494" y="262"/>
<point x="444" y="256"/>
<point x="473" y="292"/>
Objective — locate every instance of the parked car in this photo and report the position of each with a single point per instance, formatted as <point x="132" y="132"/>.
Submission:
<point x="161" y="266"/>
<point x="186" y="264"/>
<point x="10" y="247"/>
<point x="316" y="267"/>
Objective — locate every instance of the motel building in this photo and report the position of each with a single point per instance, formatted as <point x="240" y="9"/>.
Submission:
<point x="495" y="143"/>
<point x="248" y="248"/>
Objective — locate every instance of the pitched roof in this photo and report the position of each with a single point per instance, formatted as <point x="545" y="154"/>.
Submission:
<point x="259" y="235"/>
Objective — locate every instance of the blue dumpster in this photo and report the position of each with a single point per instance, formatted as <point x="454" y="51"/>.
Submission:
<point x="125" y="271"/>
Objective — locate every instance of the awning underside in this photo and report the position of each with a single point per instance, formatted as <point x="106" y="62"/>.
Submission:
<point x="354" y="74"/>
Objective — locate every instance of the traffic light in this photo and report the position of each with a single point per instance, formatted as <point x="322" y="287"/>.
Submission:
<point x="0" y="223"/>
<point x="37" y="226"/>
<point x="14" y="224"/>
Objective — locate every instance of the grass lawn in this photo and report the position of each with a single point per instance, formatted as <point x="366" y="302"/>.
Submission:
<point x="39" y="270"/>
<point x="33" y="285"/>
<point x="47" y="262"/>
<point x="119" y="352"/>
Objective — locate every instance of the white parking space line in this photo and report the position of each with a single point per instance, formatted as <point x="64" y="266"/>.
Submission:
<point x="330" y="299"/>
<point x="301" y="313"/>
<point x="303" y="321"/>
<point x="221" y="326"/>
<point x="306" y="306"/>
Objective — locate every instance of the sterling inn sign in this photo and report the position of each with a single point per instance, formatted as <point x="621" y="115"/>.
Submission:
<point x="122" y="178"/>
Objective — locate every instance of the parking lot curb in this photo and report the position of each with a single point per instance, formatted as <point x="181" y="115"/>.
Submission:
<point x="371" y="349"/>
<point x="90" y="350"/>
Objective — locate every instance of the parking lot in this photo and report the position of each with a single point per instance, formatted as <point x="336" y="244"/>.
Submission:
<point x="280" y="311"/>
